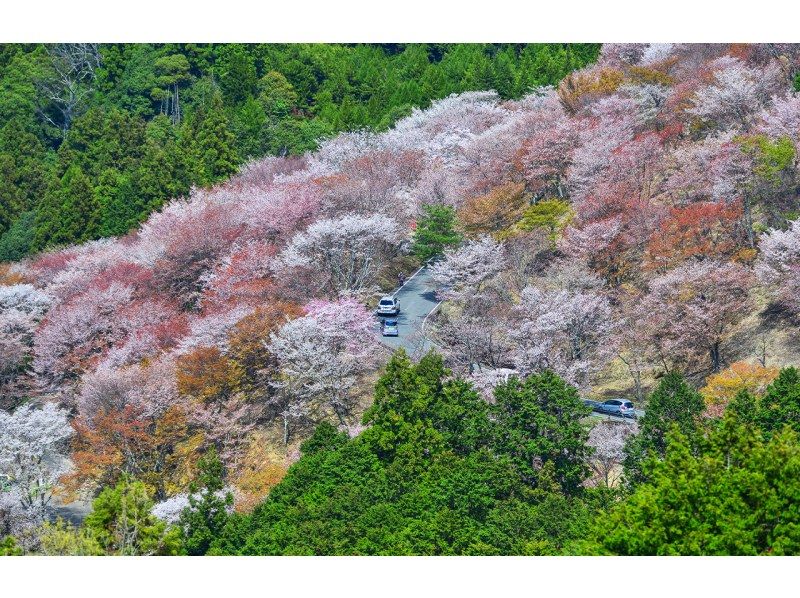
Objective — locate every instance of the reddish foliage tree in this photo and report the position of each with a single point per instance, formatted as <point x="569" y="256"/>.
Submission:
<point x="702" y="230"/>
<point x="156" y="450"/>
<point x="206" y="374"/>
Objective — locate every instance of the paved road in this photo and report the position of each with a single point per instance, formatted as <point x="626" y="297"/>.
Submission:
<point x="74" y="512"/>
<point x="417" y="300"/>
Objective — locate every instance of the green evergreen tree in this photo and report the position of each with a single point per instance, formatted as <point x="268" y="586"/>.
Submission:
<point x="214" y="144"/>
<point x="426" y="477"/>
<point x="24" y="171"/>
<point x="743" y="407"/>
<point x="205" y="517"/>
<point x="164" y="171"/>
<point x="729" y="493"/>
<point x="672" y="403"/>
<point x="435" y="231"/>
<point x="780" y="405"/>
<point x="9" y="194"/>
<point x="236" y="71"/>
<point x="17" y="241"/>
<point x="249" y="126"/>
<point x="120" y="205"/>
<point x="122" y="523"/>
<point x="172" y="73"/>
<point x="537" y="423"/>
<point x="70" y="212"/>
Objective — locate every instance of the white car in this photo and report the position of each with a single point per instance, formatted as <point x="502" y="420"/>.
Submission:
<point x="388" y="306"/>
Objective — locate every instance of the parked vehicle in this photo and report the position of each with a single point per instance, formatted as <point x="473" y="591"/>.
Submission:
<point x="388" y="306"/>
<point x="390" y="328"/>
<point x="595" y="405"/>
<point x="620" y="407"/>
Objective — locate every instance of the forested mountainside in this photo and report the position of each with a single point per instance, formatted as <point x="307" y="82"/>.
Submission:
<point x="631" y="231"/>
<point x="95" y="137"/>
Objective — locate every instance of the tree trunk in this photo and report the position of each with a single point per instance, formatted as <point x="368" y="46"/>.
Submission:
<point x="715" y="359"/>
<point x="748" y="221"/>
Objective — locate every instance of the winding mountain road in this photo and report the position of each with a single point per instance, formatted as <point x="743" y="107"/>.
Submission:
<point x="417" y="301"/>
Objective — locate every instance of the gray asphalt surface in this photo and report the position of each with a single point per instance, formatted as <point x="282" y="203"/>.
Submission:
<point x="417" y="300"/>
<point x="74" y="512"/>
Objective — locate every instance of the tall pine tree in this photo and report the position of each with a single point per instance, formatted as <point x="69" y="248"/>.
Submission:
<point x="214" y="144"/>
<point x="70" y="212"/>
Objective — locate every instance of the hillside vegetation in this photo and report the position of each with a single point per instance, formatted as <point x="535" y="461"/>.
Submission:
<point x="96" y="137"/>
<point x="633" y="228"/>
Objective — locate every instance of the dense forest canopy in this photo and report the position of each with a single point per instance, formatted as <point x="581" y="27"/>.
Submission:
<point x="95" y="137"/>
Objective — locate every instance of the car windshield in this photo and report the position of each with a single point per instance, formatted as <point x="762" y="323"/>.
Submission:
<point x="387" y="301"/>
<point x="390" y="323"/>
<point x="628" y="404"/>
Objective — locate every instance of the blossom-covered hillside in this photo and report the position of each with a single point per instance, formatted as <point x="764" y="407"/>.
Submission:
<point x="640" y="218"/>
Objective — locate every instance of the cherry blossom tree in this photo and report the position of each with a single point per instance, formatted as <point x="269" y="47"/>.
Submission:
<point x="571" y="332"/>
<point x="21" y="308"/>
<point x="463" y="270"/>
<point x="655" y="53"/>
<point x="32" y="459"/>
<point x="488" y="159"/>
<point x="378" y="181"/>
<point x="184" y="242"/>
<point x="613" y="125"/>
<point x="343" y="254"/>
<point x="608" y="438"/>
<point x="692" y="310"/>
<point x="149" y="387"/>
<point x="74" y="333"/>
<point x="242" y="276"/>
<point x="782" y="117"/>
<point x="473" y="337"/>
<point x="545" y="157"/>
<point x="320" y="356"/>
<point x="736" y="93"/>
<point x="273" y="214"/>
<point x="714" y="168"/>
<point x="77" y="335"/>
<point x="779" y="265"/>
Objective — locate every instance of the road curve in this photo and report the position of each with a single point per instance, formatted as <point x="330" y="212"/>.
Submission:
<point x="417" y="300"/>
